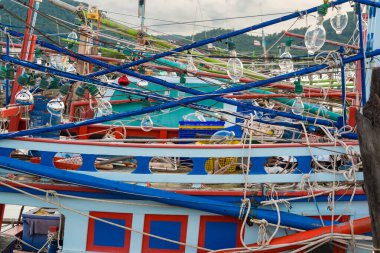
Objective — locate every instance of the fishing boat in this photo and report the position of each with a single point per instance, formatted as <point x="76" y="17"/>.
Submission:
<point x="144" y="144"/>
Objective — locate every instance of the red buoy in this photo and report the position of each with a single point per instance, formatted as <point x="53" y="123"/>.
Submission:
<point x="123" y="80"/>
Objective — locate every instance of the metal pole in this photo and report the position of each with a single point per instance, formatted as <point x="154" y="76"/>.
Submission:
<point x="7" y="49"/>
<point x="34" y="19"/>
<point x="361" y="52"/>
<point x="201" y="96"/>
<point x="193" y="91"/>
<point x="150" y="109"/>
<point x="343" y="80"/>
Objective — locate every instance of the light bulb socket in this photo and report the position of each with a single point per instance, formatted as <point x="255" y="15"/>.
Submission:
<point x="322" y="9"/>
<point x="298" y="89"/>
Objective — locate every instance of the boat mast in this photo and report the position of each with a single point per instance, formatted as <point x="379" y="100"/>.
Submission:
<point x="27" y="51"/>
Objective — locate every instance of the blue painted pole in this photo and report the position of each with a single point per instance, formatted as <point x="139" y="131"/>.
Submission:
<point x="167" y="84"/>
<point x="361" y="51"/>
<point x="7" y="50"/>
<point x="343" y="80"/>
<point x="161" y="196"/>
<point x="200" y="95"/>
<point x="368" y="2"/>
<point x="152" y="108"/>
<point x="174" y="86"/>
<point x="211" y="40"/>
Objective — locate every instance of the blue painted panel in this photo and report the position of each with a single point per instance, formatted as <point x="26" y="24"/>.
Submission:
<point x="220" y="235"/>
<point x="304" y="164"/>
<point x="166" y="229"/>
<point x="258" y="165"/>
<point x="108" y="235"/>
<point x="199" y="166"/>
<point x="88" y="163"/>
<point x="142" y="165"/>
<point x="47" y="158"/>
<point x="6" y="151"/>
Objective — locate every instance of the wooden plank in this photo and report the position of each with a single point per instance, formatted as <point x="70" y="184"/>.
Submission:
<point x="369" y="132"/>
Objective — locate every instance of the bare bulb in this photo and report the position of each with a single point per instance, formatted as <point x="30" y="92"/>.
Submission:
<point x="166" y="94"/>
<point x="146" y="123"/>
<point x="258" y="114"/>
<point x="72" y="36"/>
<point x="315" y="36"/>
<point x="55" y="106"/>
<point x="104" y="107"/>
<point x="339" y="19"/>
<point x="234" y="67"/>
<point x="24" y="97"/>
<point x="191" y="68"/>
<point x="298" y="106"/>
<point x="286" y="64"/>
<point x="142" y="83"/>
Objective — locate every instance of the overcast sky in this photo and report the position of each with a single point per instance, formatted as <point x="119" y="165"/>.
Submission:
<point x="191" y="10"/>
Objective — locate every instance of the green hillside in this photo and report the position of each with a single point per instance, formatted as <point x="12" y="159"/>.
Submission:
<point x="244" y="43"/>
<point x="43" y="23"/>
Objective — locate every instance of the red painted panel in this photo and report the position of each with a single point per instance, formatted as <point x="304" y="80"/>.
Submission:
<point x="158" y="217"/>
<point x="207" y="218"/>
<point x="90" y="234"/>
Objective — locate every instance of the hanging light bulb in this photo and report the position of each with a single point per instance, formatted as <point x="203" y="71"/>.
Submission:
<point x="222" y="137"/>
<point x="71" y="69"/>
<point x="191" y="68"/>
<point x="258" y="114"/>
<point x="72" y="37"/>
<point x="298" y="106"/>
<point x="323" y="110"/>
<point x="24" y="97"/>
<point x="195" y="116"/>
<point x="55" y="106"/>
<point x="315" y="36"/>
<point x="234" y="67"/>
<point x="142" y="83"/>
<point x="286" y="64"/>
<point x="339" y="19"/>
<point x="167" y="94"/>
<point x="146" y="123"/>
<point x="104" y="107"/>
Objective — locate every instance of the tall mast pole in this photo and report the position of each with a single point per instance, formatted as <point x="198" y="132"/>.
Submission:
<point x="25" y="50"/>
